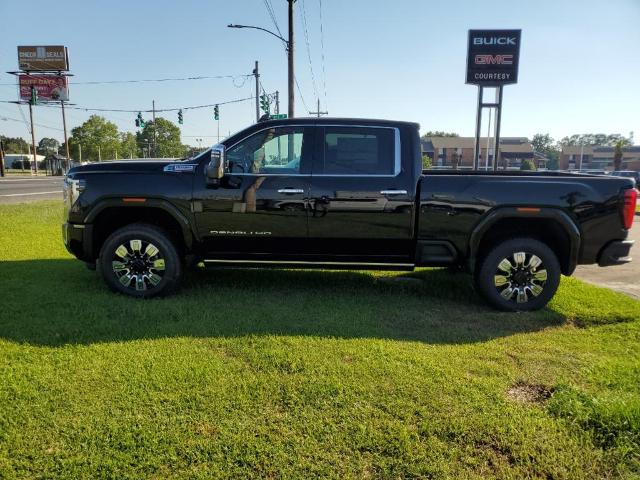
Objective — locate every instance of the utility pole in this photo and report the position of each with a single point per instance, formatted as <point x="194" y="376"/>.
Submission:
<point x="66" y="139"/>
<point x="153" y="109"/>
<point x="277" y="98"/>
<point x="290" y="59"/>
<point x="318" y="112"/>
<point x="80" y="152"/>
<point x="33" y="138"/>
<point x="257" y="75"/>
<point x="1" y="158"/>
<point x="99" y="155"/>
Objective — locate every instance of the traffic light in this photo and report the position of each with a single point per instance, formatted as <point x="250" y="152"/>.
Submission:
<point x="180" y="117"/>
<point x="140" y="121"/>
<point x="264" y="103"/>
<point x="216" y="113"/>
<point x="34" y="96"/>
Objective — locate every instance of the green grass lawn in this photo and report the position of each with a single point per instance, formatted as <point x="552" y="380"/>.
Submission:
<point x="304" y="374"/>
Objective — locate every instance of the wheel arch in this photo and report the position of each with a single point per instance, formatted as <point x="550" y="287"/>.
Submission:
<point x="112" y="214"/>
<point x="549" y="225"/>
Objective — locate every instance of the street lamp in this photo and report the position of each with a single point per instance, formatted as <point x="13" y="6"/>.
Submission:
<point x="288" y="45"/>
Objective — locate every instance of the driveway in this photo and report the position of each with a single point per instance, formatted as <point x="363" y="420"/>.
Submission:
<point x="19" y="189"/>
<point x="623" y="278"/>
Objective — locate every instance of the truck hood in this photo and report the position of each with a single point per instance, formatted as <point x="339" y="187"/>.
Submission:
<point x="127" y="166"/>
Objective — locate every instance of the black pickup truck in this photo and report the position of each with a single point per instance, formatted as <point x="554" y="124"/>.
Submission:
<point x="341" y="193"/>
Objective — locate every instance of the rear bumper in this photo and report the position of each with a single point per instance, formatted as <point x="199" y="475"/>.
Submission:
<point x="615" y="253"/>
<point x="77" y="239"/>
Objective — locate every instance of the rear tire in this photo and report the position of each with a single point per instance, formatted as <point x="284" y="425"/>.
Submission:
<point x="140" y="260"/>
<point x="520" y="274"/>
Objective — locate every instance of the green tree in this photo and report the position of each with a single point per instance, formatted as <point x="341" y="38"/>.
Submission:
<point x="544" y="144"/>
<point x="162" y="138"/>
<point x="597" y="139"/>
<point x="15" y="145"/>
<point x="438" y="133"/>
<point x="128" y="145"/>
<point x="97" y="137"/>
<point x="528" y="164"/>
<point x="426" y="161"/>
<point x="47" y="146"/>
<point x="617" y="155"/>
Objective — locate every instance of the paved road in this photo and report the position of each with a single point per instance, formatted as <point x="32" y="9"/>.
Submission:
<point x="624" y="278"/>
<point x="18" y="188"/>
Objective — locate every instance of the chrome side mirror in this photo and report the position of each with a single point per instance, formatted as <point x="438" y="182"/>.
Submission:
<point x="216" y="167"/>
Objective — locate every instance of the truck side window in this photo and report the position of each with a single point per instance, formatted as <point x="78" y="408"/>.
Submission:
<point x="274" y="150"/>
<point x="359" y="151"/>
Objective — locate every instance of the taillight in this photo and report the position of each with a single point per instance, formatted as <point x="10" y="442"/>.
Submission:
<point x="629" y="207"/>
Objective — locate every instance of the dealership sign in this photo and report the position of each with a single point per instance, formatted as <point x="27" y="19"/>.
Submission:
<point x="50" y="88"/>
<point x="492" y="57"/>
<point x="45" y="58"/>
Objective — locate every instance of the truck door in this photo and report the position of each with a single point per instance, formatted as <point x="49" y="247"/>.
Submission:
<point x="361" y="199"/>
<point x="260" y="207"/>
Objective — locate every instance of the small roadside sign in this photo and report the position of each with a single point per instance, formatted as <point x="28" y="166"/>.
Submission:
<point x="278" y="116"/>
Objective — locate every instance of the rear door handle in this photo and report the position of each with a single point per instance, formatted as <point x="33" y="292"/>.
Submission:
<point x="393" y="192"/>
<point x="290" y="190"/>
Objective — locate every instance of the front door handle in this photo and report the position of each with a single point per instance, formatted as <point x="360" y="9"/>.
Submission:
<point x="393" y="192"/>
<point x="290" y="190"/>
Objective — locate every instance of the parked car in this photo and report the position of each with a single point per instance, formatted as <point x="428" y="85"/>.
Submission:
<point x="628" y="174"/>
<point x="342" y="193"/>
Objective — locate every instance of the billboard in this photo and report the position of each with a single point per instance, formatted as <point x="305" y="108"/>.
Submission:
<point x="492" y="57"/>
<point x="43" y="58"/>
<point x="50" y="88"/>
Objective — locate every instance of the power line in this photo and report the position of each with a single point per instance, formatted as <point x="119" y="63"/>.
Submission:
<point x="300" y="93"/>
<point x="4" y="117"/>
<point x="324" y="74"/>
<point x="157" y="110"/>
<point x="270" y="11"/>
<point x="303" y="14"/>
<point x="147" y="80"/>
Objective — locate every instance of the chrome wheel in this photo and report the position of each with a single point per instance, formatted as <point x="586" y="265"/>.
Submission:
<point x="138" y="264"/>
<point x="520" y="276"/>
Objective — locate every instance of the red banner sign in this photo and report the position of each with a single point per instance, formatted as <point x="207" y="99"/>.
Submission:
<point x="50" y="88"/>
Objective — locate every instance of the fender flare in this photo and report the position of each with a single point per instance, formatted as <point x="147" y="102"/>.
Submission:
<point x="172" y="210"/>
<point x="557" y="215"/>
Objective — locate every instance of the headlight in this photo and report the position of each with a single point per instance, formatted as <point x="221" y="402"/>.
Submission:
<point x="71" y="190"/>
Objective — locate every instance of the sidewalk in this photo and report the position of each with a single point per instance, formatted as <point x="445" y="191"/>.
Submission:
<point x="622" y="278"/>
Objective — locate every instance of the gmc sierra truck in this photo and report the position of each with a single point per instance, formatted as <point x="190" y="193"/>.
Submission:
<point x="341" y="193"/>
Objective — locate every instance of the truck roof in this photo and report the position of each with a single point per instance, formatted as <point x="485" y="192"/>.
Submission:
<point x="340" y="120"/>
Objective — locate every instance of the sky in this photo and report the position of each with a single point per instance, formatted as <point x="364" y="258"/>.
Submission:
<point x="402" y="60"/>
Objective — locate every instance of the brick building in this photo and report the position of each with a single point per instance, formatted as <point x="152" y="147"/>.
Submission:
<point x="596" y="157"/>
<point x="513" y="150"/>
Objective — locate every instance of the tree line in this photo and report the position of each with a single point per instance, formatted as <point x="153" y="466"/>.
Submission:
<point x="99" y="139"/>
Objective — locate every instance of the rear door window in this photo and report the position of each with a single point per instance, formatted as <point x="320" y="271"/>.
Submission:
<point x="359" y="151"/>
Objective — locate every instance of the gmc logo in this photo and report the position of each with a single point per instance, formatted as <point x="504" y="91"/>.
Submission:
<point x="494" y="41"/>
<point x="494" y="60"/>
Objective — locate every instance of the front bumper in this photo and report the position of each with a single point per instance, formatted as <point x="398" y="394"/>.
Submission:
<point x="78" y="240"/>
<point x="615" y="253"/>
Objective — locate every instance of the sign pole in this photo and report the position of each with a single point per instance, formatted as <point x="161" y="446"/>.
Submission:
<point x="496" y="148"/>
<point x="476" y="146"/>
<point x="66" y="139"/>
<point x="33" y="138"/>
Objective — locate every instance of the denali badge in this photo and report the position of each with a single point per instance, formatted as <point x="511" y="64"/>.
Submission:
<point x="180" y="167"/>
<point x="236" y="232"/>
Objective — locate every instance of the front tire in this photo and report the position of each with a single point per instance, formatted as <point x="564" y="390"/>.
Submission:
<point x="141" y="261"/>
<point x="520" y="274"/>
